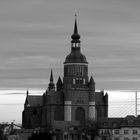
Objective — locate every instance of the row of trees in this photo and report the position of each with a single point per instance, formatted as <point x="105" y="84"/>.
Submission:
<point x="2" y="127"/>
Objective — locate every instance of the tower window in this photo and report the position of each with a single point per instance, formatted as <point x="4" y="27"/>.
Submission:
<point x="74" y="81"/>
<point x="84" y="81"/>
<point x="81" y="81"/>
<point x="77" y="81"/>
<point x="80" y="70"/>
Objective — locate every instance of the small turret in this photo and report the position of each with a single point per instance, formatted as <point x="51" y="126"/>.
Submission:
<point x="51" y="84"/>
<point x="106" y="98"/>
<point x="106" y="105"/>
<point x="27" y="104"/>
<point x="59" y="84"/>
<point x="92" y="84"/>
<point x="27" y="93"/>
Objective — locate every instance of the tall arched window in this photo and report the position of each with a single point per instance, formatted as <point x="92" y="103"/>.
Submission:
<point x="58" y="113"/>
<point x="80" y="114"/>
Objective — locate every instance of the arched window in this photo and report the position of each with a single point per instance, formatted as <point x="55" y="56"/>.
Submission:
<point x="80" y="114"/>
<point x="58" y="113"/>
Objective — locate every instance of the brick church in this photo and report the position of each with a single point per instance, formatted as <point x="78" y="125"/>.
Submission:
<point x="71" y="100"/>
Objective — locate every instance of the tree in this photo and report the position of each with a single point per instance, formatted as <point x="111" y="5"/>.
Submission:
<point x="2" y="126"/>
<point x="41" y="136"/>
<point x="89" y="127"/>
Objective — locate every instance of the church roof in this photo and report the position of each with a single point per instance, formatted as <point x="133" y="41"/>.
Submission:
<point x="34" y="100"/>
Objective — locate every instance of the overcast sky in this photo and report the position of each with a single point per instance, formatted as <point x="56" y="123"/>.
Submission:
<point x="35" y="36"/>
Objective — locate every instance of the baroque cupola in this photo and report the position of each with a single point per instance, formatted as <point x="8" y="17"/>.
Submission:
<point x="75" y="56"/>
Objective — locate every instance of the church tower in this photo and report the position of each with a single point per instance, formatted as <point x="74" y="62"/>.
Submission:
<point x="79" y="98"/>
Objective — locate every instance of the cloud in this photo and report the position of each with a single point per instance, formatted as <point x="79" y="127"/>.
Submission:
<point x="35" y="37"/>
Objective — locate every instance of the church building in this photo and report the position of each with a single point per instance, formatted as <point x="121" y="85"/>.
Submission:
<point x="71" y="100"/>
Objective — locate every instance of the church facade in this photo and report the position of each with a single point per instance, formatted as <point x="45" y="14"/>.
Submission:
<point x="71" y="100"/>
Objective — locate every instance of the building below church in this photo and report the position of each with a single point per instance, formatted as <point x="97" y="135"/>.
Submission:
<point x="73" y="99"/>
<point x="127" y="128"/>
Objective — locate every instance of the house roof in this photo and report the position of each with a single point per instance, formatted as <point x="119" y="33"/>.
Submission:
<point x="113" y="123"/>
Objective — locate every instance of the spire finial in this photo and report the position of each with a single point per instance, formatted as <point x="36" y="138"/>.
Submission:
<point x="75" y="35"/>
<point x="75" y="15"/>
<point x="75" y="26"/>
<point x="51" y="77"/>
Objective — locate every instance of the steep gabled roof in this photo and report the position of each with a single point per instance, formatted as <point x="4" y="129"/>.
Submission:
<point x="33" y="100"/>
